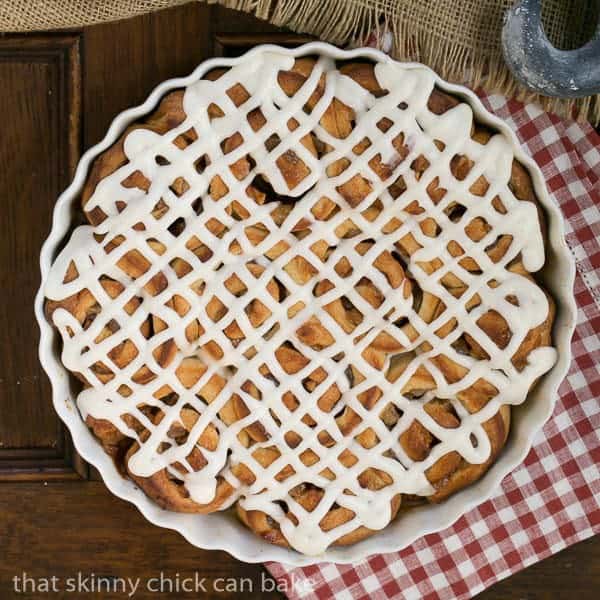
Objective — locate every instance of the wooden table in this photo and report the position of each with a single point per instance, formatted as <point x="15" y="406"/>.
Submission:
<point x="58" y="93"/>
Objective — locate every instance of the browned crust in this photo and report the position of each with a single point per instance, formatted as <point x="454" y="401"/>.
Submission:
<point x="497" y="429"/>
<point x="450" y="473"/>
<point x="268" y="529"/>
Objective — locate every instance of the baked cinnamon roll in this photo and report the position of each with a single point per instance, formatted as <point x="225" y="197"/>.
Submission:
<point x="305" y="290"/>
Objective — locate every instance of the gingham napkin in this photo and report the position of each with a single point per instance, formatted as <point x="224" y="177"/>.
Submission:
<point x="553" y="499"/>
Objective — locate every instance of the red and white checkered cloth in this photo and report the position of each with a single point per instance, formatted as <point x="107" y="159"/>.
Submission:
<point x="553" y="499"/>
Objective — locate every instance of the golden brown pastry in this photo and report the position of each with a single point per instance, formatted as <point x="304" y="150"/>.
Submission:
<point x="307" y="290"/>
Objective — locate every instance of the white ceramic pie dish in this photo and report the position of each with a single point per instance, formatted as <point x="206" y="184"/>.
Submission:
<point x="222" y="530"/>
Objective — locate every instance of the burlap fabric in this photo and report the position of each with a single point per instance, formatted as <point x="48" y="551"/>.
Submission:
<point x="460" y="39"/>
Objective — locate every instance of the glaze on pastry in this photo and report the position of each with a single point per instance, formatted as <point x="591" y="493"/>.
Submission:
<point x="305" y="290"/>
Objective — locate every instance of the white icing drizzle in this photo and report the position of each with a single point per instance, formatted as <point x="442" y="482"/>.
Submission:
<point x="420" y="127"/>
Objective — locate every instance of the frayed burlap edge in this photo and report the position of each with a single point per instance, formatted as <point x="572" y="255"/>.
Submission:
<point x="472" y="57"/>
<point x="344" y="21"/>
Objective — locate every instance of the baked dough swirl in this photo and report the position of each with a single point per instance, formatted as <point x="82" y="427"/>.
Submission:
<point x="305" y="289"/>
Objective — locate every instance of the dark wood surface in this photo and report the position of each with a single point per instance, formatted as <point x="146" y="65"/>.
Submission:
<point x="58" y="94"/>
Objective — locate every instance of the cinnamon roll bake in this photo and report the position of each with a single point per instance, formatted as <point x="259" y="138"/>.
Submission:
<point x="305" y="290"/>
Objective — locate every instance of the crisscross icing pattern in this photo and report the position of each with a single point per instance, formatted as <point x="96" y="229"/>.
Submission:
<point x="318" y="301"/>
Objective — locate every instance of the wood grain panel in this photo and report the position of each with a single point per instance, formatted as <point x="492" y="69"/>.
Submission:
<point x="96" y="533"/>
<point x="39" y="107"/>
<point x="235" y="44"/>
